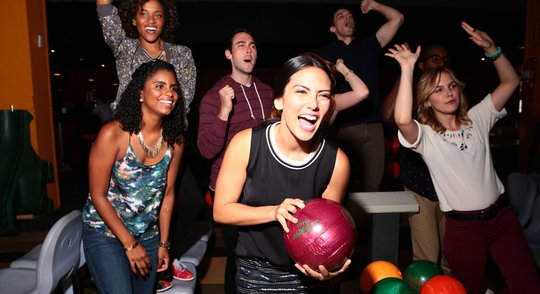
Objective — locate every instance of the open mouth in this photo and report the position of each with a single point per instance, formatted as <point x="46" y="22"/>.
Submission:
<point x="308" y="122"/>
<point x="151" y="29"/>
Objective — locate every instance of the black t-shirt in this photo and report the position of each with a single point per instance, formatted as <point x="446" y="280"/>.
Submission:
<point x="362" y="57"/>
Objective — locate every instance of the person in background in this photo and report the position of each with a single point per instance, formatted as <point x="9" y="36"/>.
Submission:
<point x="270" y="170"/>
<point x="359" y="90"/>
<point x="359" y="128"/>
<point x="454" y="143"/>
<point x="236" y="102"/>
<point x="143" y="30"/>
<point x="132" y="172"/>
<point x="139" y="31"/>
<point x="428" y="225"/>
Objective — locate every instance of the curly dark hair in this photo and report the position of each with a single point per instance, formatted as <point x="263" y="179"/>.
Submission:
<point x="129" y="111"/>
<point x="128" y="9"/>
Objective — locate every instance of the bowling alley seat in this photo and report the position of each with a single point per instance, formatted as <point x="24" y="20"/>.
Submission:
<point x="523" y="192"/>
<point x="50" y="264"/>
<point x="199" y="236"/>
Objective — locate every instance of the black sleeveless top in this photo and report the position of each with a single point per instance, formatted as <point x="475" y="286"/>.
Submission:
<point x="269" y="181"/>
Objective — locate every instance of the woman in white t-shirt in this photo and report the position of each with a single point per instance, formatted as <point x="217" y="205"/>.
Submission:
<point x="454" y="143"/>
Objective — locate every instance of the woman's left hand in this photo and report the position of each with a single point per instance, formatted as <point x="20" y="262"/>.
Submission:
<point x="163" y="259"/>
<point x="323" y="274"/>
<point x="480" y="38"/>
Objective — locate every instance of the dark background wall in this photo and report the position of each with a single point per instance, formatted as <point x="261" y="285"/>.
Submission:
<point x="283" y="29"/>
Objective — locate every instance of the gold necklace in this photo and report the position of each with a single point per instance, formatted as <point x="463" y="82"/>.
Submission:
<point x="151" y="151"/>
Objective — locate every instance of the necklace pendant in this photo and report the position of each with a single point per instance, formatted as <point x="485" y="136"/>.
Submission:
<point x="150" y="151"/>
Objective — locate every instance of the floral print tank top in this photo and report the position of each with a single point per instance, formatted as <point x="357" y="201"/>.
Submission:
<point x="135" y="192"/>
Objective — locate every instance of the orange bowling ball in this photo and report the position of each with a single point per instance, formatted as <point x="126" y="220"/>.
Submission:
<point x="377" y="271"/>
<point x="443" y="285"/>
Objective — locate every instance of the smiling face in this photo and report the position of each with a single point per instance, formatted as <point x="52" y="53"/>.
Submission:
<point x="149" y="20"/>
<point x="243" y="53"/>
<point x="160" y="93"/>
<point x="305" y="102"/>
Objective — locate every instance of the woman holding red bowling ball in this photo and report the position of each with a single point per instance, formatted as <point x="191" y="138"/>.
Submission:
<point x="269" y="171"/>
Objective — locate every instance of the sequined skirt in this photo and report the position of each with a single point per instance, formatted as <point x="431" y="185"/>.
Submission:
<point x="255" y="275"/>
<point x="259" y="276"/>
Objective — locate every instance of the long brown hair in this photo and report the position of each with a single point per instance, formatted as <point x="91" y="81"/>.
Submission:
<point x="427" y="84"/>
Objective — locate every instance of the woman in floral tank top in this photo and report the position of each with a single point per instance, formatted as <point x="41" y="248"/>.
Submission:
<point x="132" y="171"/>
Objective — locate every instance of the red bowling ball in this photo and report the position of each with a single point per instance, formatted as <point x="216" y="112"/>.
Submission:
<point x="443" y="284"/>
<point x="325" y="234"/>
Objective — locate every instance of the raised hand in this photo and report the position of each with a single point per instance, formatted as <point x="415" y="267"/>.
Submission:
<point x="480" y="38"/>
<point x="367" y="5"/>
<point x="341" y="67"/>
<point x="403" y="55"/>
<point x="226" y="96"/>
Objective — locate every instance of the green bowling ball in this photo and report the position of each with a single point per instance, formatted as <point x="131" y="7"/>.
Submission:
<point x="391" y="286"/>
<point x="419" y="272"/>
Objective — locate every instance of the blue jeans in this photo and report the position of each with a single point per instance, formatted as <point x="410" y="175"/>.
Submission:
<point x="109" y="266"/>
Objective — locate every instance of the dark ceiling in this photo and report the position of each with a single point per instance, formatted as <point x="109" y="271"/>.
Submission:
<point x="283" y="28"/>
<point x="469" y="4"/>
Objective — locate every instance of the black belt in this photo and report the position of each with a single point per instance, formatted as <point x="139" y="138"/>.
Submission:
<point x="484" y="214"/>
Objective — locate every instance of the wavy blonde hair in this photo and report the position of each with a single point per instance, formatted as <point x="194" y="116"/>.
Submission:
<point x="427" y="84"/>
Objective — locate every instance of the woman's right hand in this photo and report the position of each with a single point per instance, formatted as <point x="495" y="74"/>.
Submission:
<point x="138" y="260"/>
<point x="284" y="211"/>
<point x="403" y="55"/>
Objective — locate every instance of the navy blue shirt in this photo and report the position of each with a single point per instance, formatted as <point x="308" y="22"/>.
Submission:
<point x="415" y="174"/>
<point x="362" y="57"/>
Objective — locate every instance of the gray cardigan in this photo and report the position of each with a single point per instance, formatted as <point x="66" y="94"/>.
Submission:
<point x="129" y="55"/>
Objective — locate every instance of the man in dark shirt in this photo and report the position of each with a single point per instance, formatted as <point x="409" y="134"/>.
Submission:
<point x="360" y="131"/>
